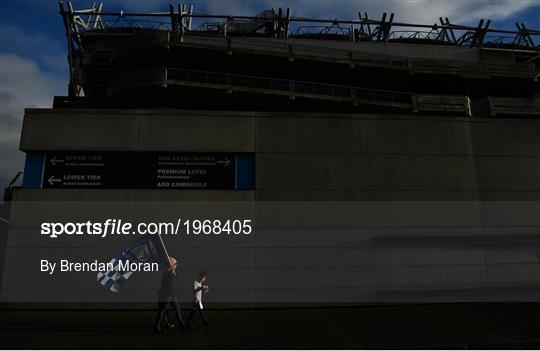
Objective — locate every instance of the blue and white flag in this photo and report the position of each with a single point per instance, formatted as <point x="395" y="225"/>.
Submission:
<point x="147" y="249"/>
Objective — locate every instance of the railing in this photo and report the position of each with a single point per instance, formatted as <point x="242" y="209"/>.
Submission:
<point x="416" y="35"/>
<point x="514" y="106"/>
<point x="292" y="87"/>
<point x="332" y="31"/>
<point x="131" y="23"/>
<point x="456" y="105"/>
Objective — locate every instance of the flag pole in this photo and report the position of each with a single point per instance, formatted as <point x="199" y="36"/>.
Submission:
<point x="164" y="248"/>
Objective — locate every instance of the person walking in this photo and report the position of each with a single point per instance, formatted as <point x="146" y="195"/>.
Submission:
<point x="200" y="287"/>
<point x="167" y="296"/>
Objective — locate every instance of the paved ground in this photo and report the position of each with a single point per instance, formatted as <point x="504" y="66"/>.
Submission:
<point x="431" y="326"/>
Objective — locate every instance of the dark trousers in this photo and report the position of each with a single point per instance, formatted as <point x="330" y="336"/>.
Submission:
<point x="194" y="309"/>
<point x="162" y="306"/>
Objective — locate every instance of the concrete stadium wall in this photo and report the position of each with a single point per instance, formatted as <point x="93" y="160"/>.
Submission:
<point x="431" y="208"/>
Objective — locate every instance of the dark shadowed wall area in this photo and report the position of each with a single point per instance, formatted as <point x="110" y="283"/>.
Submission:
<point x="348" y="208"/>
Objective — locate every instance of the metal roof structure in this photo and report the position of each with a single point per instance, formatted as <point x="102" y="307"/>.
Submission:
<point x="113" y="52"/>
<point x="281" y="24"/>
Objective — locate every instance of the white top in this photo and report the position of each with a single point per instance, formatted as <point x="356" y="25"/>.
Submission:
<point x="198" y="294"/>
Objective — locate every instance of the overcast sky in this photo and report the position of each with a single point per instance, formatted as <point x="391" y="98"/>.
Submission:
<point x="33" y="64"/>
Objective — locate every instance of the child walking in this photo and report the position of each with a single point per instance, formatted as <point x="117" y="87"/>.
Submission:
<point x="200" y="287"/>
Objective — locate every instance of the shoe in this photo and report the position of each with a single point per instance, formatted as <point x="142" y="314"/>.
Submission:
<point x="169" y="325"/>
<point x="159" y="330"/>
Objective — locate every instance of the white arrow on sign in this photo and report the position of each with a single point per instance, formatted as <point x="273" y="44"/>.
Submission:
<point x="54" y="161"/>
<point x="53" y="180"/>
<point x="225" y="162"/>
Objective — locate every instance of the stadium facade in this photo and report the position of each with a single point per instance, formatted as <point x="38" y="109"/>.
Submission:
<point x="394" y="162"/>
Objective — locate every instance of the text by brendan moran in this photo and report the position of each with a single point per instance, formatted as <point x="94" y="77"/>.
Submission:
<point x="94" y="266"/>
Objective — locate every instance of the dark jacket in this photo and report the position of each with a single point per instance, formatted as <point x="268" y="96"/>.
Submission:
<point x="169" y="284"/>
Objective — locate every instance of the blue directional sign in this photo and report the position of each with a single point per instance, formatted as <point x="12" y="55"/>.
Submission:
<point x="140" y="170"/>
